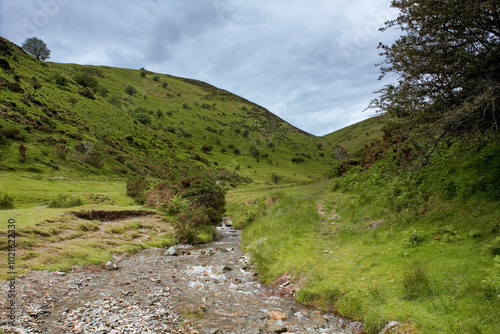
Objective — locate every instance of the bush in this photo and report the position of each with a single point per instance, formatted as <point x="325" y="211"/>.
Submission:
<point x="65" y="201"/>
<point x="190" y="224"/>
<point x="207" y="148"/>
<point x="86" y="81"/>
<point x="204" y="192"/>
<point x="143" y="118"/>
<point x="61" y="151"/>
<point x="6" y="202"/>
<point x="137" y="187"/>
<point x="130" y="90"/>
<point x="177" y="205"/>
<point x="94" y="159"/>
<point x="87" y="92"/>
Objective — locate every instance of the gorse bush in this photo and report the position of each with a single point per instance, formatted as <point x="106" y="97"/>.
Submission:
<point x="65" y="201"/>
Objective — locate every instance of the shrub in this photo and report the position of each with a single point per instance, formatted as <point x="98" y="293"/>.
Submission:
<point x="87" y="92"/>
<point x="61" y="151"/>
<point x="130" y="90"/>
<point x="203" y="191"/>
<point x="207" y="148"/>
<point x="6" y="202"/>
<point x="143" y="118"/>
<point x="94" y="158"/>
<point x="86" y="81"/>
<point x="65" y="201"/>
<point x="177" y="205"/>
<point x="156" y="77"/>
<point x="137" y="187"/>
<point x="190" y="224"/>
<point x="297" y="160"/>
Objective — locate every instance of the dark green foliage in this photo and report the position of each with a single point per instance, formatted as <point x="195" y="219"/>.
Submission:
<point x="86" y="81"/>
<point x="143" y="74"/>
<point x="207" y="148"/>
<point x="130" y="90"/>
<point x="102" y="91"/>
<point x="203" y="191"/>
<point x="60" y="80"/>
<point x="6" y="202"/>
<point x="159" y="113"/>
<point x="143" y="118"/>
<point x="254" y="152"/>
<point x="87" y="92"/>
<point x="156" y="77"/>
<point x="449" y="68"/>
<point x="245" y="133"/>
<point x="137" y="187"/>
<point x="297" y="160"/>
<point x="65" y="201"/>
<point x="275" y="178"/>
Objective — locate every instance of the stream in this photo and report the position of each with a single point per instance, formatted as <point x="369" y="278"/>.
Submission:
<point x="209" y="289"/>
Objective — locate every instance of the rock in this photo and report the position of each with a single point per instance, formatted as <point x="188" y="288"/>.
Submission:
<point x="111" y="266"/>
<point x="276" y="328"/>
<point x="172" y="251"/>
<point x="390" y="327"/>
<point x="355" y="326"/>
<point x="277" y="315"/>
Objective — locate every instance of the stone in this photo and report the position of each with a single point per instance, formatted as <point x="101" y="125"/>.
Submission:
<point x="355" y="326"/>
<point x="171" y="251"/>
<point x="111" y="266"/>
<point x="277" y="315"/>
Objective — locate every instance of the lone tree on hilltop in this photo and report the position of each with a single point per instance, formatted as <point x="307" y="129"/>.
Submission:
<point x="37" y="48"/>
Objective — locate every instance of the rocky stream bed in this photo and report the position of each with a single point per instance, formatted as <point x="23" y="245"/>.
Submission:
<point x="184" y="289"/>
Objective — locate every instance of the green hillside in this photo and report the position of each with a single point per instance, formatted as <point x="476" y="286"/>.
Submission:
<point x="94" y="120"/>
<point x="354" y="136"/>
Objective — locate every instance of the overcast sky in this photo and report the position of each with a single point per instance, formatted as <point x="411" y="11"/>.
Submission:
<point x="310" y="62"/>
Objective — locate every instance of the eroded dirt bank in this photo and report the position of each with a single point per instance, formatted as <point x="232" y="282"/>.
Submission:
<point x="204" y="289"/>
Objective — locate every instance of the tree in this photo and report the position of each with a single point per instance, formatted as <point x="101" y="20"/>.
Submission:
<point x="448" y="64"/>
<point x="37" y="48"/>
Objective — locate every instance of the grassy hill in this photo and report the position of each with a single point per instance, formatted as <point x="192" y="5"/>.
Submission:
<point x="94" y="120"/>
<point x="354" y="136"/>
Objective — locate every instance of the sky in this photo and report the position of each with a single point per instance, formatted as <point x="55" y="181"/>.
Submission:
<point x="311" y="62"/>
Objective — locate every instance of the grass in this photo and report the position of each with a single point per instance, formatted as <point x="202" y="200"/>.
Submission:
<point x="435" y="286"/>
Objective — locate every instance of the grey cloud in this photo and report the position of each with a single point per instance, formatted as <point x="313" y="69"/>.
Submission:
<point x="311" y="63"/>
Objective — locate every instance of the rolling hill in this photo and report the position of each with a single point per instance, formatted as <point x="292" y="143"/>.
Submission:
<point x="75" y="120"/>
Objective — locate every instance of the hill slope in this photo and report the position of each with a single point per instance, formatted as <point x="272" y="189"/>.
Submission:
<point x="67" y="119"/>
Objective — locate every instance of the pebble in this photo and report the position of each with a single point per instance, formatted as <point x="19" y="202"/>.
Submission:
<point x="210" y="289"/>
